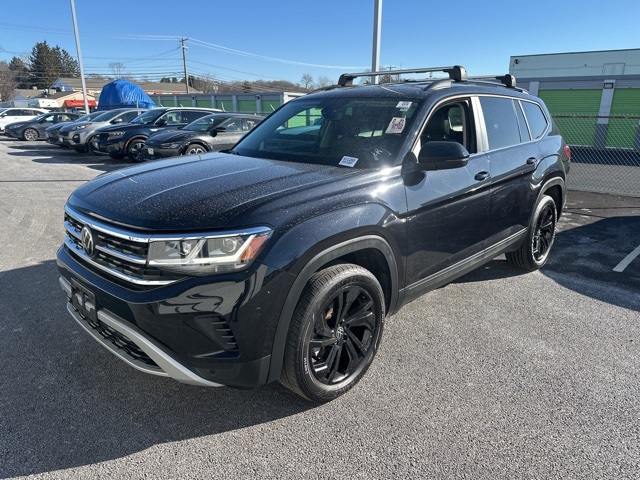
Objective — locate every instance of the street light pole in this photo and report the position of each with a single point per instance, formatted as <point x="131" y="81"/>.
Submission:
<point x="75" y="31"/>
<point x="377" y="27"/>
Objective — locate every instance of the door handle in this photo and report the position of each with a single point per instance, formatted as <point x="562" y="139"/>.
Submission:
<point x="480" y="176"/>
<point x="531" y="161"/>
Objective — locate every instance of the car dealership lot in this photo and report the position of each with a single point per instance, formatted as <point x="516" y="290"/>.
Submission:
<point x="488" y="377"/>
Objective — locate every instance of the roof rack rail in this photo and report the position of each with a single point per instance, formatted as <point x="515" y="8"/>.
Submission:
<point x="507" y="80"/>
<point x="456" y="73"/>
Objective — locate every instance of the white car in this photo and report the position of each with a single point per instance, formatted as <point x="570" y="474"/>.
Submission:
<point x="18" y="114"/>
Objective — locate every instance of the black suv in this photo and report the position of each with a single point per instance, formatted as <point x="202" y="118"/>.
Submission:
<point x="282" y="258"/>
<point x="128" y="140"/>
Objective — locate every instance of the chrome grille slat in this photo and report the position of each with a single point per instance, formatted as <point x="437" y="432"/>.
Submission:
<point x="118" y="252"/>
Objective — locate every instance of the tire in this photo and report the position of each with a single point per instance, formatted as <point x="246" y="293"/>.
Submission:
<point x="534" y="251"/>
<point x="135" y="150"/>
<point x="90" y="147"/>
<point x="194" y="149"/>
<point x="334" y="334"/>
<point x="30" y="134"/>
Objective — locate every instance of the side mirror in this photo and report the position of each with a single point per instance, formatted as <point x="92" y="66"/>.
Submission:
<point x="116" y="120"/>
<point x="439" y="155"/>
<point x="161" y="123"/>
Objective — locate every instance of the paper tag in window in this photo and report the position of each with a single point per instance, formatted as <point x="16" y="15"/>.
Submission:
<point x="404" y="105"/>
<point x="348" y="162"/>
<point x="396" y="125"/>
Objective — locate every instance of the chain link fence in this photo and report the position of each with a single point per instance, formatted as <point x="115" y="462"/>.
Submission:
<point x="605" y="152"/>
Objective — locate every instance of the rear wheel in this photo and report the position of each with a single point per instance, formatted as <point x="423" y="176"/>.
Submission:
<point x="30" y="134"/>
<point x="135" y="151"/>
<point x="334" y="333"/>
<point x="534" y="251"/>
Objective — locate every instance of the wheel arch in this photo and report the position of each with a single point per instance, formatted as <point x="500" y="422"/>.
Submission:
<point x="555" y="188"/>
<point x="371" y="252"/>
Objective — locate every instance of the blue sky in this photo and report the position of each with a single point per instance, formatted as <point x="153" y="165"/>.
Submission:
<point x="284" y="39"/>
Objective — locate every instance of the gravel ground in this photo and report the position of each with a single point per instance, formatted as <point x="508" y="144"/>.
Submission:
<point x="499" y="375"/>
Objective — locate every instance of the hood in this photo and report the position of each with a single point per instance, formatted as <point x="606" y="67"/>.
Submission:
<point x="196" y="193"/>
<point x="171" y="136"/>
<point x="15" y="125"/>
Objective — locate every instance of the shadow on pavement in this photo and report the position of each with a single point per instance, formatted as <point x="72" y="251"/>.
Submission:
<point x="66" y="402"/>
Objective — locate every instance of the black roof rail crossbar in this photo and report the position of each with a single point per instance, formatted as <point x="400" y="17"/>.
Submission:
<point x="456" y="73"/>
<point x="507" y="80"/>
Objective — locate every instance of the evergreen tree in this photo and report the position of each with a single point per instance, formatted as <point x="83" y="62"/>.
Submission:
<point x="46" y="64"/>
<point x="21" y="72"/>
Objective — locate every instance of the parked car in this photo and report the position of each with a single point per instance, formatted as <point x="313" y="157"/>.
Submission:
<point x="284" y="258"/>
<point x="120" y="141"/>
<point x="217" y="131"/>
<point x="34" y="129"/>
<point x="53" y="132"/>
<point x="12" y="115"/>
<point x="79" y="136"/>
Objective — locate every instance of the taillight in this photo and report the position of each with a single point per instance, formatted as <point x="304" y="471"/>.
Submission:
<point x="567" y="152"/>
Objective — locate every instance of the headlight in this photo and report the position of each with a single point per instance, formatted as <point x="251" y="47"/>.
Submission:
<point x="80" y="127"/>
<point x="203" y="255"/>
<point x="170" y="145"/>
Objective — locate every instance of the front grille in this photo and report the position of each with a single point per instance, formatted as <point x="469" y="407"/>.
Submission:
<point x="64" y="134"/>
<point x="119" y="253"/>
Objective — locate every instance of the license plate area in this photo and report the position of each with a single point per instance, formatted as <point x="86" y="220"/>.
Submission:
<point x="84" y="301"/>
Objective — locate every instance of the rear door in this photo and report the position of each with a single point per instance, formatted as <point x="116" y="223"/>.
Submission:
<point x="513" y="157"/>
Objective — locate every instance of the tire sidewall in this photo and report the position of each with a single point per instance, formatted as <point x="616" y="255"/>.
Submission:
<point x="545" y="201"/>
<point x="319" y="301"/>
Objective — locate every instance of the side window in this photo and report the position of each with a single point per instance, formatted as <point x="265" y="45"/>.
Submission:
<point x="127" y="117"/>
<point x="537" y="121"/>
<point x="171" y="118"/>
<point x="500" y="121"/>
<point x="249" y="124"/>
<point x="189" y="116"/>
<point x="450" y="123"/>
<point x="232" y="125"/>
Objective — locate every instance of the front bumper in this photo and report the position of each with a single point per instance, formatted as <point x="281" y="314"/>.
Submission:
<point x="111" y="146"/>
<point x="197" y="331"/>
<point x="154" y="151"/>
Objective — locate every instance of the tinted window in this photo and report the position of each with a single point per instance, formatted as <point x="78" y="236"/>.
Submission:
<point x="535" y="117"/>
<point x="501" y="122"/>
<point x="448" y="123"/>
<point x="189" y="116"/>
<point x="127" y="117"/>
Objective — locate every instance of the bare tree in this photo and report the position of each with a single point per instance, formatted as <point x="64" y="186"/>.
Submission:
<point x="117" y="68"/>
<point x="307" y="81"/>
<point x="323" y="81"/>
<point x="8" y="82"/>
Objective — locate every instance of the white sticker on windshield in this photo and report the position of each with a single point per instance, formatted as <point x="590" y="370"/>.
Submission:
<point x="348" y="161"/>
<point x="396" y="125"/>
<point x="404" y="105"/>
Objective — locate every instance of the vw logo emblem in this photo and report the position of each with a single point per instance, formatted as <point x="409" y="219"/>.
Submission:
<point x="87" y="241"/>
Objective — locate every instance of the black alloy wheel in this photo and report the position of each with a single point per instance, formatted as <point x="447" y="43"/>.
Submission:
<point x="135" y="151"/>
<point x="335" y="333"/>
<point x="534" y="251"/>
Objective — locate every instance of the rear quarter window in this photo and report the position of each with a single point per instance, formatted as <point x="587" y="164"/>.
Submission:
<point x="535" y="117"/>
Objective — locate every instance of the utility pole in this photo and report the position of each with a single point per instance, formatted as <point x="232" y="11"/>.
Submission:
<point x="377" y="27"/>
<point x="84" y="86"/>
<point x="184" y="61"/>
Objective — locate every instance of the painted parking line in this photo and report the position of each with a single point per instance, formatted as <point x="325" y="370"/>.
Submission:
<point x="627" y="260"/>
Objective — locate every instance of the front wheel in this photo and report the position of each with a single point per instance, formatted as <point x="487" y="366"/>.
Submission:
<point x="194" y="149"/>
<point x="334" y="333"/>
<point x="30" y="134"/>
<point x="534" y="251"/>
<point x="135" y="152"/>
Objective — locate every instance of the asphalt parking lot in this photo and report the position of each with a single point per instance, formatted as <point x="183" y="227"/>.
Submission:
<point x="499" y="375"/>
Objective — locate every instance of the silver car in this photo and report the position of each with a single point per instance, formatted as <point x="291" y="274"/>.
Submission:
<point x="79" y="135"/>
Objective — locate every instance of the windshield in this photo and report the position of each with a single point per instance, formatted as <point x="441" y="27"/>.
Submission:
<point x="106" y="116"/>
<point x="90" y="117"/>
<point x="349" y="132"/>
<point x="148" y="117"/>
<point x="204" y="124"/>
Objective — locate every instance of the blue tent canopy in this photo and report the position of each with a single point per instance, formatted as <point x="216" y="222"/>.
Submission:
<point x="123" y="93"/>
